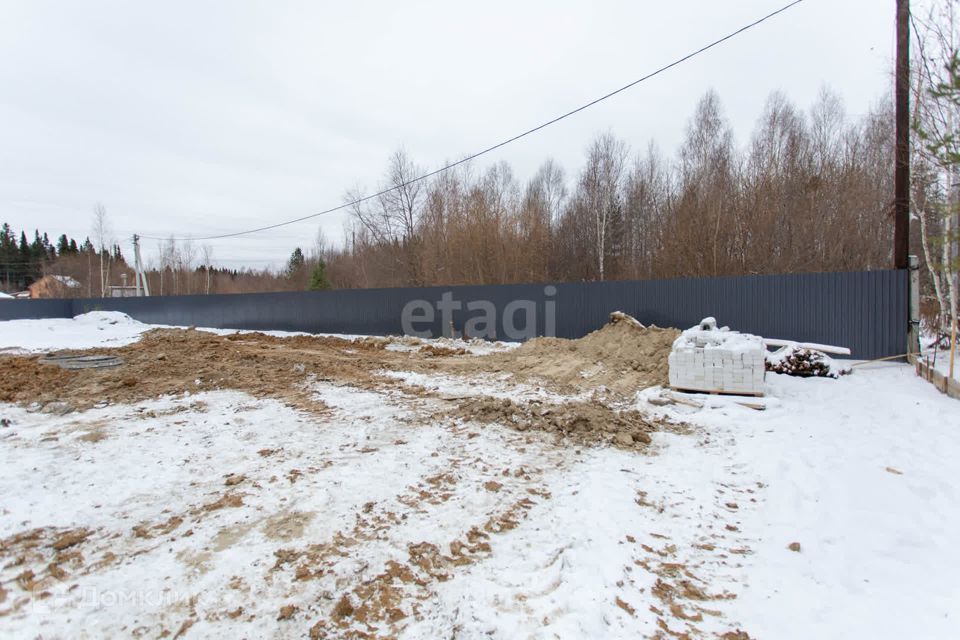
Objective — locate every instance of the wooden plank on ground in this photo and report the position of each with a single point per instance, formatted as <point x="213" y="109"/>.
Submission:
<point x="941" y="382"/>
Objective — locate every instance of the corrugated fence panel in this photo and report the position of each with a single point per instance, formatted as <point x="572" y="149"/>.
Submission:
<point x="866" y="311"/>
<point x="33" y="309"/>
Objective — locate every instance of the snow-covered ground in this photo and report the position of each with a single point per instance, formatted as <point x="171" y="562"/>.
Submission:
<point x="207" y="514"/>
<point x="94" y="329"/>
<point x="115" y="329"/>
<point x="861" y="472"/>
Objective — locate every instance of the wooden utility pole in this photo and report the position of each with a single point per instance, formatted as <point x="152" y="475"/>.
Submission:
<point x="901" y="177"/>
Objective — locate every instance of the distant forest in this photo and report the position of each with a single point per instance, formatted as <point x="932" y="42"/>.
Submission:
<point x="808" y="191"/>
<point x="22" y="263"/>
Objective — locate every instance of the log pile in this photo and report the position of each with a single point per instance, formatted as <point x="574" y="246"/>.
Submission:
<point x="803" y="362"/>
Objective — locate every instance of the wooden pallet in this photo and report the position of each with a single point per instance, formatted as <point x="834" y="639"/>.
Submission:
<point x="717" y="392"/>
<point x="679" y="397"/>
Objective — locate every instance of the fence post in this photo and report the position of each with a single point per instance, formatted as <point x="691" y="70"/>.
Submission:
<point x="913" y="328"/>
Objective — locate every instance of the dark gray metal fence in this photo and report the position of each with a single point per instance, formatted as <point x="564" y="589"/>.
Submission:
<point x="866" y="311"/>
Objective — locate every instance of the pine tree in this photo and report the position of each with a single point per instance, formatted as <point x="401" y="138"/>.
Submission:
<point x="295" y="263"/>
<point x="8" y="254"/>
<point x="24" y="249"/>
<point x="49" y="253"/>
<point x="38" y="252"/>
<point x="318" y="279"/>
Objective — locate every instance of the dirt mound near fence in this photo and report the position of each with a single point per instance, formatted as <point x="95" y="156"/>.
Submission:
<point x="623" y="356"/>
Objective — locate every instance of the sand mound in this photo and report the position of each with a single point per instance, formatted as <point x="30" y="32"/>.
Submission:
<point x="623" y="356"/>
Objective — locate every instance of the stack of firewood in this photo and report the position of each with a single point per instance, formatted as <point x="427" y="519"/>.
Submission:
<point x="803" y="362"/>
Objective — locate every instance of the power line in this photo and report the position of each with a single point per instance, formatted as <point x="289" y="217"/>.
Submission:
<point x="504" y="143"/>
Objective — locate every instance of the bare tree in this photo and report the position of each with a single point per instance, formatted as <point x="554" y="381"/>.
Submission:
<point x="207" y="252"/>
<point x="540" y="209"/>
<point x="935" y="200"/>
<point x="169" y="259"/>
<point x="699" y="238"/>
<point x="188" y="256"/>
<point x="600" y="194"/>
<point x="647" y="196"/>
<point x="391" y="218"/>
<point x="101" y="235"/>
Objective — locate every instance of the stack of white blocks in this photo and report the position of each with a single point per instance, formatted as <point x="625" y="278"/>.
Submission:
<point x="705" y="358"/>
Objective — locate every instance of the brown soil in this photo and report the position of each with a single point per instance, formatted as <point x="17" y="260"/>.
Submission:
<point x="70" y="538"/>
<point x="173" y="361"/>
<point x="626" y="607"/>
<point x="227" y="500"/>
<point x="583" y="422"/>
<point x="438" y="350"/>
<point x="287" y="525"/>
<point x="622" y="356"/>
<point x="287" y="612"/>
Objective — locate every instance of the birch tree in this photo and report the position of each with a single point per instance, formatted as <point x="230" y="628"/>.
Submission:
<point x="101" y="235"/>
<point x="600" y="193"/>
<point x="936" y="150"/>
<point x="206" y="251"/>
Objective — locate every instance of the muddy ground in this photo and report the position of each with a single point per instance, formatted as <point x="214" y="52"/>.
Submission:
<point x="242" y="506"/>
<point x="610" y="364"/>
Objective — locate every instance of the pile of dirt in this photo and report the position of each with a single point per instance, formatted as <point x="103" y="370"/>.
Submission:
<point x="174" y="361"/>
<point x="23" y="376"/>
<point x="623" y="356"/>
<point x="588" y="423"/>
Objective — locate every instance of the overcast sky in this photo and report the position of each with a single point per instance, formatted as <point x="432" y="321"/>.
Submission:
<point x="206" y="117"/>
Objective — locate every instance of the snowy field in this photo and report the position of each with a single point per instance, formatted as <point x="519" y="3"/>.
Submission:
<point x="216" y="513"/>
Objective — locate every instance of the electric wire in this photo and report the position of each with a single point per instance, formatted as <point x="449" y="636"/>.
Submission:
<point x="496" y="146"/>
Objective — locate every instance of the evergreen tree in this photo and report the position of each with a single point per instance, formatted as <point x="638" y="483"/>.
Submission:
<point x="295" y="263"/>
<point x="29" y="259"/>
<point x="8" y="243"/>
<point x="318" y="279"/>
<point x="8" y="255"/>
<point x="24" y="250"/>
<point x="38" y="252"/>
